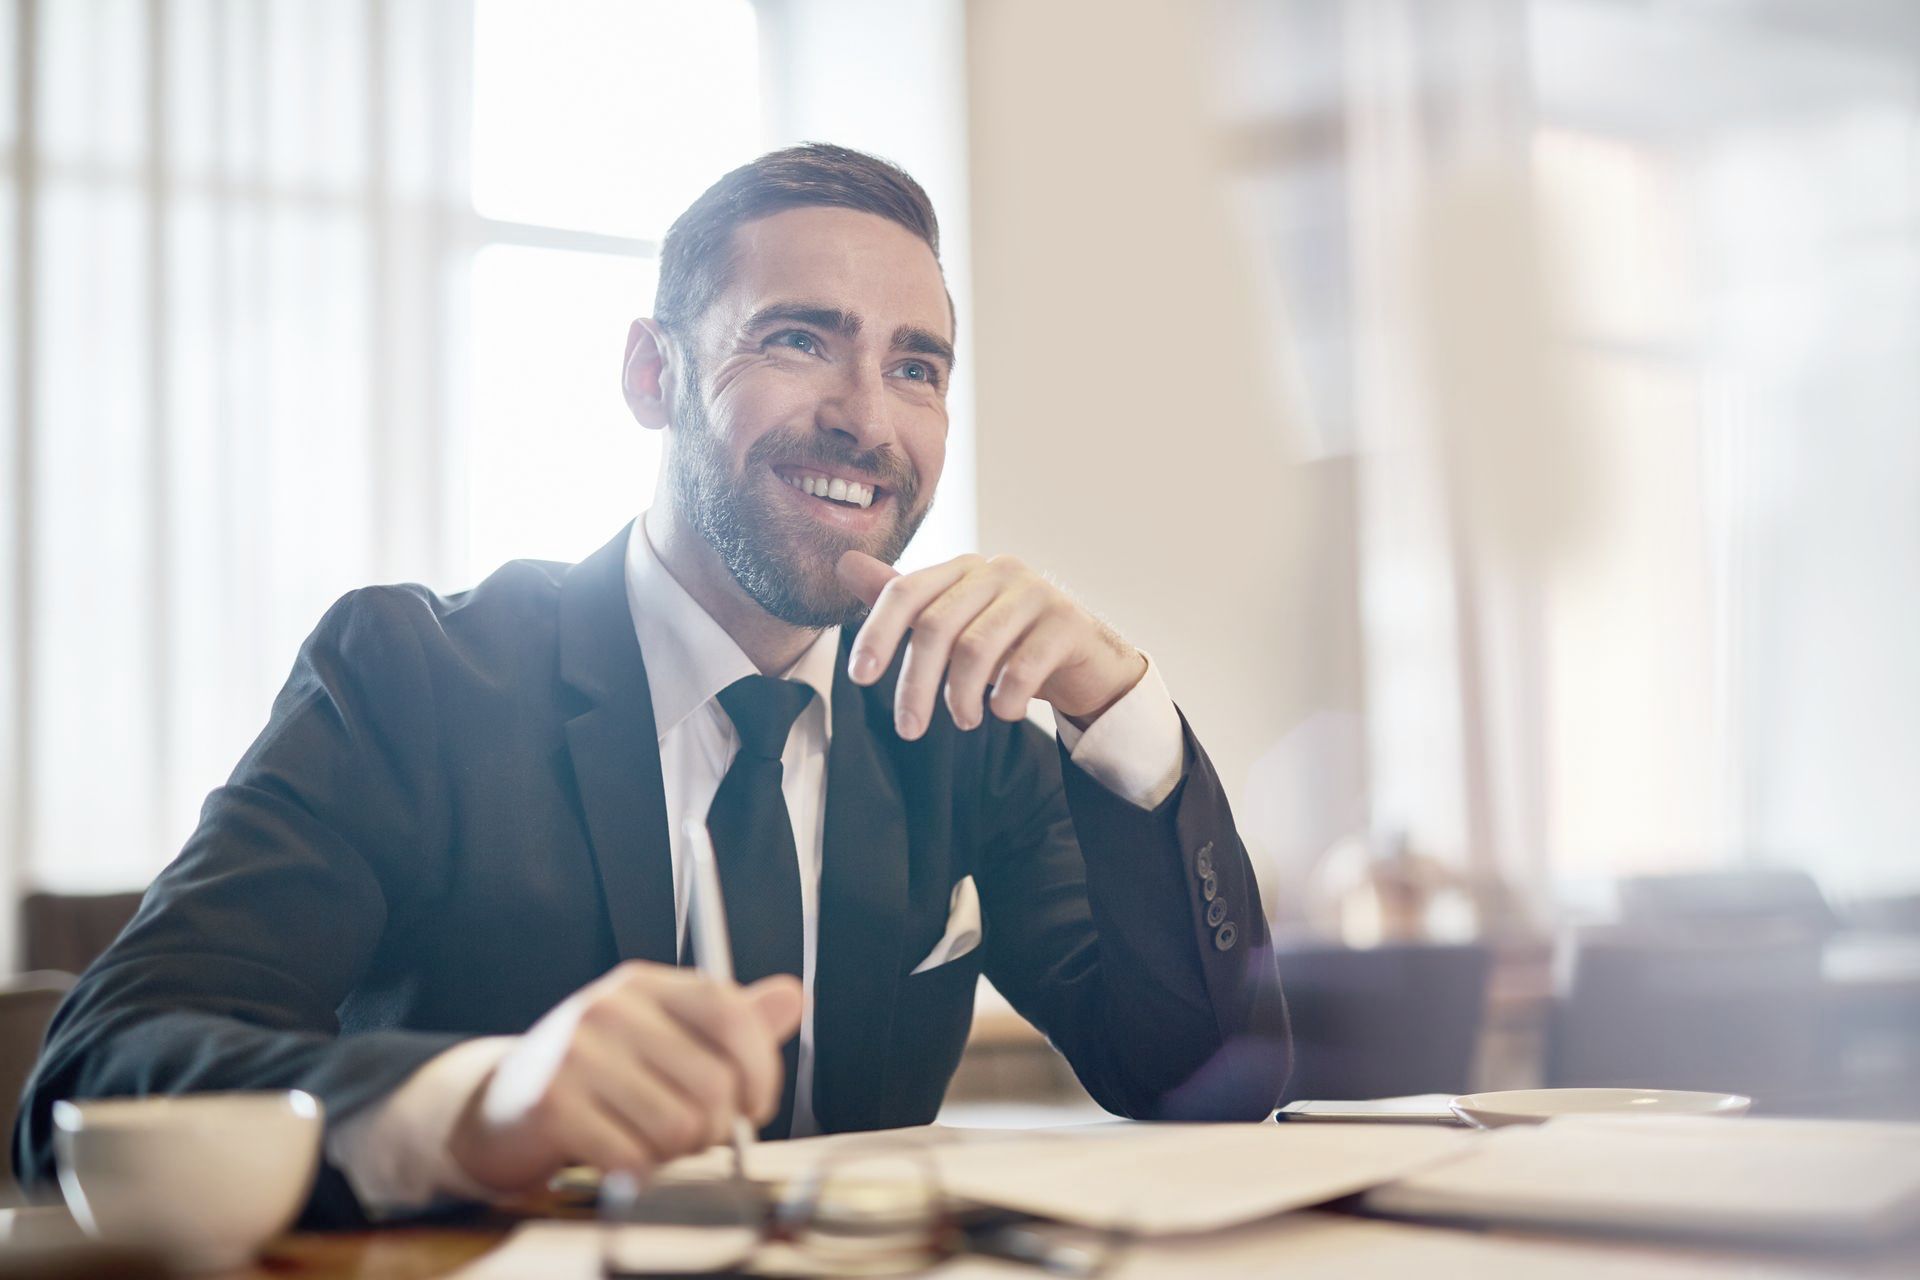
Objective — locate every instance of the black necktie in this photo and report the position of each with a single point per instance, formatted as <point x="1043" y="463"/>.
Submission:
<point x="754" y="850"/>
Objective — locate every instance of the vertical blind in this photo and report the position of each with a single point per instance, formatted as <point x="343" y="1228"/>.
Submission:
<point x="291" y="308"/>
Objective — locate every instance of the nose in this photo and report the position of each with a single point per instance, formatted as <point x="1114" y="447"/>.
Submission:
<point x="858" y="407"/>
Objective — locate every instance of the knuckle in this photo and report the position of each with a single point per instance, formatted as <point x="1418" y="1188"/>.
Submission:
<point x="600" y="1016"/>
<point x="632" y="972"/>
<point x="934" y="623"/>
<point x="972" y="646"/>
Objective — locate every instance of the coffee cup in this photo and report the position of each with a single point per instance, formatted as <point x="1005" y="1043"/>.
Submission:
<point x="203" y="1179"/>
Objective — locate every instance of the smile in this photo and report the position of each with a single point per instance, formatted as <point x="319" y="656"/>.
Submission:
<point x="835" y="489"/>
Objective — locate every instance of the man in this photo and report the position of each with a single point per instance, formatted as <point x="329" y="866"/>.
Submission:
<point x="446" y="889"/>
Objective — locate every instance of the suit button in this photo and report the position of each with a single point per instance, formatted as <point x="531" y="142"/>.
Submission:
<point x="1224" y="937"/>
<point x="1216" y="912"/>
<point x="1203" y="859"/>
<point x="1209" y="886"/>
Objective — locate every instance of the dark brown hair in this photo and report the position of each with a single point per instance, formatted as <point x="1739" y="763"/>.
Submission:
<point x="697" y="253"/>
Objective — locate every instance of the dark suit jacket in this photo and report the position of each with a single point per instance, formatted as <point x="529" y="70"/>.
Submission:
<point x="455" y="818"/>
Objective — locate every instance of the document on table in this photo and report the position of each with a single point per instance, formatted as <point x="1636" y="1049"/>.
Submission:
<point x="1153" y="1178"/>
<point x="1815" y="1181"/>
<point x="1302" y="1244"/>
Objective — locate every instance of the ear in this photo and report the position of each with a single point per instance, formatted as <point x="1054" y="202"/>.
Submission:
<point x="645" y="377"/>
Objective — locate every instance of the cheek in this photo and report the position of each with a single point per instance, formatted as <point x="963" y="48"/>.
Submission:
<point x="753" y="404"/>
<point x="927" y="449"/>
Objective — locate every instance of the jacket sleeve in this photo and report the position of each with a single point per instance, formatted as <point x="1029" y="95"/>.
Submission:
<point x="232" y="972"/>
<point x="1133" y="938"/>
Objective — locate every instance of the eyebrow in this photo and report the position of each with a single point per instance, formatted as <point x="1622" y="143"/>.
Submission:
<point x="835" y="321"/>
<point x="845" y="324"/>
<point x="915" y="339"/>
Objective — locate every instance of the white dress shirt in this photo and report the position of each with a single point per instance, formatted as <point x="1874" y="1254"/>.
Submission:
<point x="395" y="1153"/>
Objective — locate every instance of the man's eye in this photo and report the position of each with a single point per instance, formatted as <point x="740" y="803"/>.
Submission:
<point x="796" y="339"/>
<point x="919" y="371"/>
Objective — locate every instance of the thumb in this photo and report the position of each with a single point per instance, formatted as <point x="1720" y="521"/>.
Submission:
<point x="777" y="999"/>
<point x="864" y="575"/>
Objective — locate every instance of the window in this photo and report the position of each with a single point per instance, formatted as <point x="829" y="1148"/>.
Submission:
<point x="594" y="123"/>
<point x="311" y="296"/>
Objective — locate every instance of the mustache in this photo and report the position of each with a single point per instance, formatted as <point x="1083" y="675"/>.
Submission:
<point x="888" y="468"/>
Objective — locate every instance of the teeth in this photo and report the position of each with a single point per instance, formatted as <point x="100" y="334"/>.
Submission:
<point x="833" y="489"/>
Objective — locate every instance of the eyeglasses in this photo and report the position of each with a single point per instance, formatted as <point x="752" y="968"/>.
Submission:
<point x="874" y="1209"/>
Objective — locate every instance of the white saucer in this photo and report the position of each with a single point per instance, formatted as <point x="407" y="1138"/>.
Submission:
<point x="1537" y="1106"/>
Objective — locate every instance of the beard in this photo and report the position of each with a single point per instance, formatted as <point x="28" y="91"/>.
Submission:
<point x="783" y="560"/>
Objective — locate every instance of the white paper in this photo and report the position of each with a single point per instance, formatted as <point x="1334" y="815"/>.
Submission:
<point x="1806" y="1180"/>
<point x="1153" y="1178"/>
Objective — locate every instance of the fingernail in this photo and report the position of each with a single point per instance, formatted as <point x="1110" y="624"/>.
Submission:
<point x="864" y="666"/>
<point x="908" y="724"/>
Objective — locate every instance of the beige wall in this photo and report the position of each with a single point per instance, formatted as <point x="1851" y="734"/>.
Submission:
<point x="1129" y="433"/>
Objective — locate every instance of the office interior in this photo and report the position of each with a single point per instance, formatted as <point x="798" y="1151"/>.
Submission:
<point x="1497" y="419"/>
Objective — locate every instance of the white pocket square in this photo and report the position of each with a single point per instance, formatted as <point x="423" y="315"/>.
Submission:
<point x="963" y="927"/>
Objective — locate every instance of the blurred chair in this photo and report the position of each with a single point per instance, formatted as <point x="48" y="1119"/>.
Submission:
<point x="1383" y="1021"/>
<point x="1897" y="913"/>
<point x="1671" y="1011"/>
<point x="1729" y="902"/>
<point x="26" y="1007"/>
<point x="65" y="931"/>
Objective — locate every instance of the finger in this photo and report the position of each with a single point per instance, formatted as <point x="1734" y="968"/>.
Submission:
<point x="894" y="610"/>
<point x="681" y="1054"/>
<point x="931" y="648"/>
<point x="591" y="1134"/>
<point x="713" y="1085"/>
<point x="729" y="1027"/>
<point x="1045" y="649"/>
<point x="672" y="1123"/>
<point x="864" y="575"/>
<point x="983" y="646"/>
<point x="780" y="1002"/>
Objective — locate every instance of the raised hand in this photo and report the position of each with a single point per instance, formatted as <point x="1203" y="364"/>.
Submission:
<point x="977" y="623"/>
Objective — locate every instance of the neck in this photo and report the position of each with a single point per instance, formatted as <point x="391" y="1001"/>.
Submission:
<point x="770" y="644"/>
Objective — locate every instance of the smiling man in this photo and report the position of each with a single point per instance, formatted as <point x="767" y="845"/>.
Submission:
<point x="446" y="891"/>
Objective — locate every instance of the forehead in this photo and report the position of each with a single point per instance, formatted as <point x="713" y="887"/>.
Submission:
<point x="858" y="262"/>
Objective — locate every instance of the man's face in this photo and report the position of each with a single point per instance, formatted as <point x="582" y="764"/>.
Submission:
<point x="822" y="366"/>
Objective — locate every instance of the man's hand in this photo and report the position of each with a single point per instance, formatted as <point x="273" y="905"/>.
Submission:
<point x="649" y="1063"/>
<point x="979" y="622"/>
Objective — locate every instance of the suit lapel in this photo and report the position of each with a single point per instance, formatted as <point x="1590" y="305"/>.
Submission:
<point x="616" y="754"/>
<point x="863" y="909"/>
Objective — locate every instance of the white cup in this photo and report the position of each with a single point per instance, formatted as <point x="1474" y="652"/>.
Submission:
<point x="204" y="1179"/>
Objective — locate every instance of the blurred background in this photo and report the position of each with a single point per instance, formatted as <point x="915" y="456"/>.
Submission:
<point x="1499" y="418"/>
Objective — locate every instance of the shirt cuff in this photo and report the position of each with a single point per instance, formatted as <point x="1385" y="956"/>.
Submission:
<point x="395" y="1155"/>
<point x="1135" y="749"/>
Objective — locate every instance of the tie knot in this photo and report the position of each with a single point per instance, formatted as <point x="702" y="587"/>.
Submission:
<point x="763" y="709"/>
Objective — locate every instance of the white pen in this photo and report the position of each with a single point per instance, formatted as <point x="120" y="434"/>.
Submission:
<point x="712" y="949"/>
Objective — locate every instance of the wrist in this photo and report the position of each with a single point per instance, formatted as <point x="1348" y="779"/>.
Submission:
<point x="1135" y="666"/>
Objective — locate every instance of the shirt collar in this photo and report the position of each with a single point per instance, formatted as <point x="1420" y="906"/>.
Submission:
<point x="689" y="657"/>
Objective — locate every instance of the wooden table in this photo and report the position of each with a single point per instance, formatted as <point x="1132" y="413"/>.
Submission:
<point x="411" y="1252"/>
<point x="432" y="1251"/>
